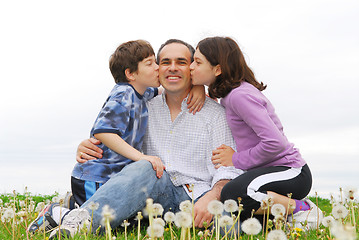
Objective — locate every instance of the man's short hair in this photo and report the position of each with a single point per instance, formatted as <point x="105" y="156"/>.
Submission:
<point x="128" y="55"/>
<point x="169" y="41"/>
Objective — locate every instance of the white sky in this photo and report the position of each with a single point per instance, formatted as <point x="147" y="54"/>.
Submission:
<point x="55" y="77"/>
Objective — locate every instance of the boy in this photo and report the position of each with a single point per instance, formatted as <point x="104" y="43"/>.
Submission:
<point x="120" y="126"/>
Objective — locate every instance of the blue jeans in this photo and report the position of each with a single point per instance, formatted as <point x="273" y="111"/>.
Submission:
<point x="127" y="191"/>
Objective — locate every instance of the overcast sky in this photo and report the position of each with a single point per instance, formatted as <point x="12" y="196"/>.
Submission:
<point x="55" y="77"/>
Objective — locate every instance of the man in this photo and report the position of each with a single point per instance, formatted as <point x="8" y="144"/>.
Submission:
<point x="182" y="140"/>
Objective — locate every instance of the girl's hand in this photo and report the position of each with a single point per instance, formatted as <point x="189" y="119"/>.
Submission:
<point x="157" y="164"/>
<point x="222" y="156"/>
<point x="196" y="99"/>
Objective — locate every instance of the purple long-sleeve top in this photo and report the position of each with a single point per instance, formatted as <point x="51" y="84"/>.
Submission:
<point x="257" y="131"/>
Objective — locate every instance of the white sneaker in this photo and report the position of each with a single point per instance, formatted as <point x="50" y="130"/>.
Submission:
<point x="308" y="219"/>
<point x="73" y="222"/>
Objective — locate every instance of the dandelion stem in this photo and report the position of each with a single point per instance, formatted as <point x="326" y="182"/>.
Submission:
<point x="6" y="227"/>
<point x="316" y="199"/>
<point x="267" y="223"/>
<point x="13" y="220"/>
<point x="138" y="226"/>
<point x="353" y="215"/>
<point x="170" y="225"/>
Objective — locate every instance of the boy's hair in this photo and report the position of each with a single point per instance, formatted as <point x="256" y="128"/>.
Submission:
<point x="128" y="55"/>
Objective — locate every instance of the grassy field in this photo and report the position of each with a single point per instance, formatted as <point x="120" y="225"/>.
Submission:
<point x="18" y="210"/>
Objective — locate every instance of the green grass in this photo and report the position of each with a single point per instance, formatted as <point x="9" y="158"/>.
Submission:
<point x="9" y="230"/>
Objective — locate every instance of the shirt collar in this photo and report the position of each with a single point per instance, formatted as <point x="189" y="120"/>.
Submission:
<point x="183" y="105"/>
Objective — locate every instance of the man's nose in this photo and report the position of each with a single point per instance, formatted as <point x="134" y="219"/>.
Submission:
<point x="173" y="66"/>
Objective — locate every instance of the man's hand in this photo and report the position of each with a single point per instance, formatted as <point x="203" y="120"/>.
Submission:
<point x="201" y="213"/>
<point x="87" y="150"/>
<point x="222" y="156"/>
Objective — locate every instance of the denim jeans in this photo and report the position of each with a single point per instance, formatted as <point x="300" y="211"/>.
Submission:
<point x="127" y="191"/>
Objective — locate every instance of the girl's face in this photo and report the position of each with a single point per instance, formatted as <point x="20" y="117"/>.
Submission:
<point x="202" y="72"/>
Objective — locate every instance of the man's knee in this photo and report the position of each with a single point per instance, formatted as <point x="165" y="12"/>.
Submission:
<point x="232" y="191"/>
<point x="141" y="167"/>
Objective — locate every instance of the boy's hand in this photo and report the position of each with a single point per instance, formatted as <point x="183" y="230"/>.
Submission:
<point x="157" y="164"/>
<point x="196" y="98"/>
<point x="222" y="156"/>
<point x="87" y="150"/>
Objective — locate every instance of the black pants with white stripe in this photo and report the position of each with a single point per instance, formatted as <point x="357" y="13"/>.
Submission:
<point x="252" y="186"/>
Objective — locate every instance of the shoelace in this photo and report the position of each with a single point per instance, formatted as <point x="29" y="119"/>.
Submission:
<point x="77" y="218"/>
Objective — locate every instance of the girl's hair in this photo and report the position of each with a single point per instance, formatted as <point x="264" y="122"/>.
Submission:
<point x="226" y="52"/>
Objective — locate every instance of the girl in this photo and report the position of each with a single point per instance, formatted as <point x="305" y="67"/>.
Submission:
<point x="274" y="168"/>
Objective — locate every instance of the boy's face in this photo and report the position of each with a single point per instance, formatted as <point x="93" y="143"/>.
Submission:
<point x="147" y="73"/>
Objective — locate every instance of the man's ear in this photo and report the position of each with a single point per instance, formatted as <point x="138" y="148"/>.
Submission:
<point x="217" y="70"/>
<point x="129" y="75"/>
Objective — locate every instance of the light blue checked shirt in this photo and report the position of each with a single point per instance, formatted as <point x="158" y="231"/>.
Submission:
<point x="185" y="145"/>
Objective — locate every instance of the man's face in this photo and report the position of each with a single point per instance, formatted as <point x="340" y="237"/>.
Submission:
<point x="174" y="72"/>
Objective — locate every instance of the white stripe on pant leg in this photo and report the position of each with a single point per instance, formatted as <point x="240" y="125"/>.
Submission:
<point x="268" y="178"/>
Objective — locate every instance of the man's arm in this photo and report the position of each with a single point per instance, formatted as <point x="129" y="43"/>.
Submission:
<point x="201" y="213"/>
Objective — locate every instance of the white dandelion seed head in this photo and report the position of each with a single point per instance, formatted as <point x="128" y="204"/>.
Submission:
<point x="139" y="216"/>
<point x="125" y="223"/>
<point x="108" y="213"/>
<point x="144" y="190"/>
<point x="341" y="231"/>
<point x="159" y="221"/>
<point x="145" y="212"/>
<point x="279" y="219"/>
<point x="215" y="207"/>
<point x="93" y="206"/>
<point x="328" y="221"/>
<point x="277" y="209"/>
<point x="240" y="207"/>
<point x="225" y="221"/>
<point x="55" y="199"/>
<point x="22" y="204"/>
<point x="186" y="206"/>
<point x="183" y="219"/>
<point x="276" y="235"/>
<point x="157" y="209"/>
<point x="350" y="192"/>
<point x="149" y="207"/>
<point x="169" y="217"/>
<point x="230" y="206"/>
<point x="339" y="211"/>
<point x="267" y="202"/>
<point x="9" y="214"/>
<point x="21" y="214"/>
<point x="251" y="226"/>
<point x="156" y="229"/>
<point x="149" y="201"/>
<point x="40" y="206"/>
<point x="31" y="206"/>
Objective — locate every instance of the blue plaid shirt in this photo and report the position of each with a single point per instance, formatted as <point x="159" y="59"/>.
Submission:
<point x="124" y="113"/>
